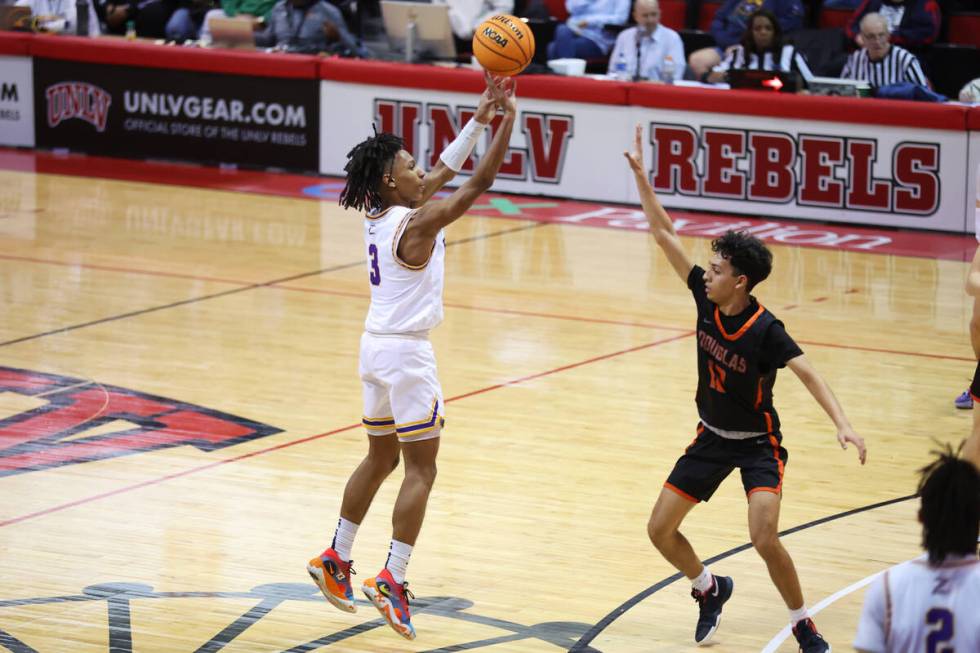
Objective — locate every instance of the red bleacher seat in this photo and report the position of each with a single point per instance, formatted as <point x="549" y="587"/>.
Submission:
<point x="707" y="14"/>
<point x="673" y="13"/>
<point x="964" y="29"/>
<point x="557" y="9"/>
<point x="834" y="18"/>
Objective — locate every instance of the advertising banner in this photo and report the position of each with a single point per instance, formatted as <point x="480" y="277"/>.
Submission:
<point x="829" y="171"/>
<point x="16" y="101"/>
<point x="175" y="114"/>
<point x="557" y="148"/>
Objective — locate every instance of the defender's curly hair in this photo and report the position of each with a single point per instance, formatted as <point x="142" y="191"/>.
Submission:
<point x="367" y="163"/>
<point x="950" y="510"/>
<point x="747" y="254"/>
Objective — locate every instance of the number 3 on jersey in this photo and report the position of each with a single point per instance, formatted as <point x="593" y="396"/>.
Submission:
<point x="375" y="270"/>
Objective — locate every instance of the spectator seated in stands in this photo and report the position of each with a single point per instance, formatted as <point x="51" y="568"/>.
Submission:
<point x="186" y="20"/>
<point x="59" y="16"/>
<point x="911" y="23"/>
<point x="584" y="34"/>
<point x="648" y="45"/>
<point x="466" y="15"/>
<point x="762" y="48"/>
<point x="114" y="14"/>
<point x="149" y="17"/>
<point x="309" y="26"/>
<point x="729" y="25"/>
<point x="878" y="62"/>
<point x="257" y="11"/>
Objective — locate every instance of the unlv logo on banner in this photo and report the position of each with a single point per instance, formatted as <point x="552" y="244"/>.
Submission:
<point x="52" y="435"/>
<point x="547" y="136"/>
<point x="87" y="102"/>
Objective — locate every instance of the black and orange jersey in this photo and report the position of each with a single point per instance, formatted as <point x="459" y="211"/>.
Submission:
<point x="738" y="357"/>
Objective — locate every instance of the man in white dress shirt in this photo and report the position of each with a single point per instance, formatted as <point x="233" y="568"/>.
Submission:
<point x="60" y="16"/>
<point x="647" y="46"/>
<point x="466" y="15"/>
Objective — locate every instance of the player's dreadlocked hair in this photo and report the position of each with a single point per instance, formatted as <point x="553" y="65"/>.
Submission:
<point x="367" y="163"/>
<point x="747" y="254"/>
<point x="950" y="510"/>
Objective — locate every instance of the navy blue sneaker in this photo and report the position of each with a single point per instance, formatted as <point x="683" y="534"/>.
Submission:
<point x="809" y="639"/>
<point x="710" y="603"/>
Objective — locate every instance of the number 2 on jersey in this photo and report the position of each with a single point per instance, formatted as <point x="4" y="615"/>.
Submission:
<point x="938" y="640"/>
<point x="375" y="270"/>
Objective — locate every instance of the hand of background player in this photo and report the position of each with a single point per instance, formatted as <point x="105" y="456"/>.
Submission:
<point x="848" y="435"/>
<point x="635" y="155"/>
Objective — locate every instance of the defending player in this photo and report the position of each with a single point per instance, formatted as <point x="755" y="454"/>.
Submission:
<point x="930" y="604"/>
<point x="740" y="346"/>
<point x="403" y="404"/>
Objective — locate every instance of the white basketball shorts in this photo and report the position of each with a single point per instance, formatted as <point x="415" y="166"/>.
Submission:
<point x="401" y="389"/>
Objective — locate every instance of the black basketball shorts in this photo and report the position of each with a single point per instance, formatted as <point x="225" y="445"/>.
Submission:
<point x="711" y="458"/>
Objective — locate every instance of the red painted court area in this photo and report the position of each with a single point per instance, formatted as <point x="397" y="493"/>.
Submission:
<point x="877" y="240"/>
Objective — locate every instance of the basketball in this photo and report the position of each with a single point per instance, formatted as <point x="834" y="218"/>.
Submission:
<point x="503" y="45"/>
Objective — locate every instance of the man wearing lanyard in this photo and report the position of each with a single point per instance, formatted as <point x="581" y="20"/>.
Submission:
<point x="650" y="49"/>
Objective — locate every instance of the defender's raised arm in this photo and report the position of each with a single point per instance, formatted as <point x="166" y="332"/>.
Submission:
<point x="661" y="225"/>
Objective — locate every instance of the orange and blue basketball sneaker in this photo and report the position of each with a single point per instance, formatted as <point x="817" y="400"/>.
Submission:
<point x="391" y="600"/>
<point x="332" y="576"/>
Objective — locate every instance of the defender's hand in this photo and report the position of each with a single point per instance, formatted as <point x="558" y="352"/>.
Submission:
<point x="635" y="156"/>
<point x="848" y="435"/>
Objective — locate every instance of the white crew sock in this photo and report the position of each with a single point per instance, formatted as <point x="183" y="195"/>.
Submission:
<point x="397" y="563"/>
<point x="798" y="615"/>
<point x="703" y="582"/>
<point x="343" y="538"/>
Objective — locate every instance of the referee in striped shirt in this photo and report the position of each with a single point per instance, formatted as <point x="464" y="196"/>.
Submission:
<point x="878" y="62"/>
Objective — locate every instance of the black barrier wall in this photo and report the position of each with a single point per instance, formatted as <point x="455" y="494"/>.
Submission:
<point x="175" y="114"/>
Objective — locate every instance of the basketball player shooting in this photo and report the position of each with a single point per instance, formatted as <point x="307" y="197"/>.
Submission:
<point x="741" y="345"/>
<point x="403" y="403"/>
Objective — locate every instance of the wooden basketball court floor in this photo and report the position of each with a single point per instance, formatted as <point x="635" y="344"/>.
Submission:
<point x="180" y="408"/>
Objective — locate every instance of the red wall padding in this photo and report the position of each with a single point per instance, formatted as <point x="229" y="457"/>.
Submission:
<point x="15" y="43"/>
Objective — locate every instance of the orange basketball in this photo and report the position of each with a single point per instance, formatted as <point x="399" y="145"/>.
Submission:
<point x="503" y="44"/>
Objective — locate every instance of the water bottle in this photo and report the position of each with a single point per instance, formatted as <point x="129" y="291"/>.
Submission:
<point x="668" y="70"/>
<point x="81" y="17"/>
<point x="620" y="67"/>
